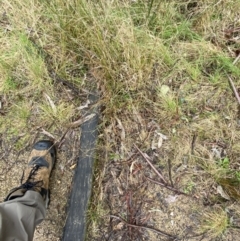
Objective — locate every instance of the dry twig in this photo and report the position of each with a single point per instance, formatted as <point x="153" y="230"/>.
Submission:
<point x="234" y="89"/>
<point x="170" y="172"/>
<point x="236" y="60"/>
<point x="59" y="142"/>
<point x="149" y="162"/>
<point x="44" y="132"/>
<point x="193" y="143"/>
<point x="231" y="81"/>
<point x="80" y="121"/>
<point x="147" y="228"/>
<point x="168" y="187"/>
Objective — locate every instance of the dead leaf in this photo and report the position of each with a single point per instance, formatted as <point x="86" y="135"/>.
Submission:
<point x="182" y="168"/>
<point x="118" y="226"/>
<point x="120" y="126"/>
<point x="162" y="135"/>
<point x="171" y="199"/>
<point x="160" y="142"/>
<point x="84" y="106"/>
<point x="51" y="103"/>
<point x="158" y="139"/>
<point x="153" y="125"/>
<point x="61" y="167"/>
<point x="164" y="90"/>
<point x="222" y="193"/>
<point x="132" y="166"/>
<point x="73" y="166"/>
<point x="216" y="153"/>
<point x="154" y="144"/>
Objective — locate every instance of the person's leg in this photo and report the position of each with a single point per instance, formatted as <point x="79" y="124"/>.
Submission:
<point x="19" y="217"/>
<point x="25" y="206"/>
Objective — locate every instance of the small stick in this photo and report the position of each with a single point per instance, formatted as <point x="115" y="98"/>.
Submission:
<point x="59" y="142"/>
<point x="147" y="228"/>
<point x="193" y="143"/>
<point x="80" y="121"/>
<point x="234" y="89"/>
<point x="148" y="161"/>
<point x="170" y="172"/>
<point x="236" y="60"/>
<point x="168" y="187"/>
<point x="44" y="132"/>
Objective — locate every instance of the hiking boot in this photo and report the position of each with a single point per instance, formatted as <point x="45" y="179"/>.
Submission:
<point x="36" y="176"/>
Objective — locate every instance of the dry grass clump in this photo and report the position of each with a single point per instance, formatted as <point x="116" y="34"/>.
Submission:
<point x="214" y="222"/>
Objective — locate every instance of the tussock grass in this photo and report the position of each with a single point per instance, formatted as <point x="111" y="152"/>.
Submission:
<point x="215" y="222"/>
<point x="131" y="52"/>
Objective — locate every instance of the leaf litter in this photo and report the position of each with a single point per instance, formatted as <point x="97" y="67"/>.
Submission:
<point x="138" y="185"/>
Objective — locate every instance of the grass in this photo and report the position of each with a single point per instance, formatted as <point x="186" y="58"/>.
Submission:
<point x="151" y="61"/>
<point x="215" y="222"/>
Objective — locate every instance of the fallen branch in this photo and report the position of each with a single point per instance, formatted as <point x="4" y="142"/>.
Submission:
<point x="234" y="89"/>
<point x="168" y="187"/>
<point x="80" y="121"/>
<point x="151" y="165"/>
<point x="147" y="228"/>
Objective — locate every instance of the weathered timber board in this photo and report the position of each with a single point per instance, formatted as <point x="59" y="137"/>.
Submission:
<point x="82" y="183"/>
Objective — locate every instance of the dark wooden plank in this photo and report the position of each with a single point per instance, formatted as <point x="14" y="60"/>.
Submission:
<point x="82" y="183"/>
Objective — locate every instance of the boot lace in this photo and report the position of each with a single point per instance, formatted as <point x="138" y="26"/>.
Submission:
<point x="30" y="183"/>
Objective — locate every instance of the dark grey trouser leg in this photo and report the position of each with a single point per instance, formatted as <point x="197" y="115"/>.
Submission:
<point x="19" y="217"/>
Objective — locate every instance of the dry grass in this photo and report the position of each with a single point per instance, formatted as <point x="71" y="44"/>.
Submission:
<point x="160" y="67"/>
<point x="215" y="222"/>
